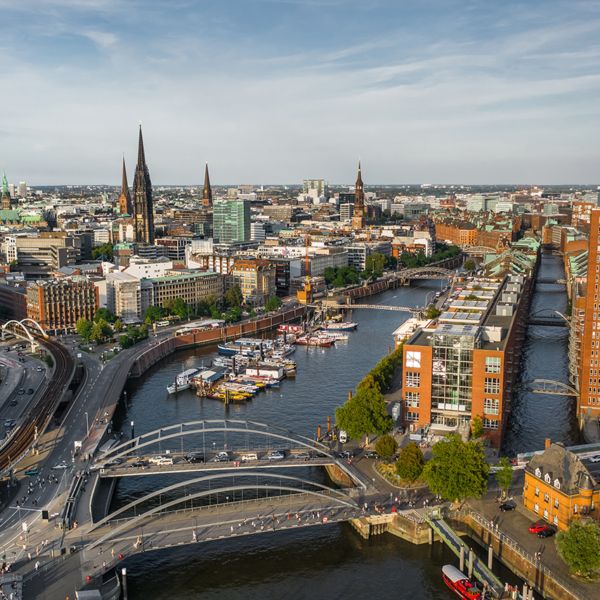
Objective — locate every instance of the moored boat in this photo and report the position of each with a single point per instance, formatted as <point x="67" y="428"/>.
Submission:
<point x="343" y="326"/>
<point x="457" y="581"/>
<point x="182" y="381"/>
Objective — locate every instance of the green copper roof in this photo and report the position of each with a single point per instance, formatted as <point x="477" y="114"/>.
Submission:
<point x="4" y="183"/>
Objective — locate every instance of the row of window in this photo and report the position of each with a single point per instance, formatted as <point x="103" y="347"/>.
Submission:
<point x="413" y="361"/>
<point x="536" y="510"/>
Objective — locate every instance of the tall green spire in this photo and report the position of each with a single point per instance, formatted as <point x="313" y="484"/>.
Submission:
<point x="5" y="202"/>
<point x="4" y="182"/>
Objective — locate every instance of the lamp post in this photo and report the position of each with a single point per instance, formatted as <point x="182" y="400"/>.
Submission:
<point x="87" y="424"/>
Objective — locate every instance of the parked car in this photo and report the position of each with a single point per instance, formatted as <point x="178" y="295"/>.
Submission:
<point x="548" y="532"/>
<point x="30" y="391"/>
<point x="504" y="507"/>
<point x="537" y="527"/>
<point x="276" y="456"/>
<point x="60" y="466"/>
<point x="347" y="454"/>
<point x="595" y="458"/>
<point x="371" y="455"/>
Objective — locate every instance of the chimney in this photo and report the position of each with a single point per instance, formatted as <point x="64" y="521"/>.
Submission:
<point x="547" y="443"/>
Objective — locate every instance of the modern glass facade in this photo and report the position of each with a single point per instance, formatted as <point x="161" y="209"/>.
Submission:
<point x="231" y="220"/>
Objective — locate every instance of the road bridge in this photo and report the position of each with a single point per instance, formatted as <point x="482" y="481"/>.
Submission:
<point x="427" y="272"/>
<point x="477" y="250"/>
<point x="548" y="317"/>
<point x="551" y="280"/>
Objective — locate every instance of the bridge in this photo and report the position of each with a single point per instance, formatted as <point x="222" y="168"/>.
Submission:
<point x="477" y="250"/>
<point x="547" y="386"/>
<point x="427" y="272"/>
<point x="19" y="329"/>
<point x="376" y="306"/>
<point x="551" y="280"/>
<point x="548" y="317"/>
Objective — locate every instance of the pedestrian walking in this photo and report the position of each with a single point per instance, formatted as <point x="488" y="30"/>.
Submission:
<point x="37" y="565"/>
<point x="112" y="552"/>
<point x="232" y="529"/>
<point x="29" y="555"/>
<point x="150" y="544"/>
<point x="104" y="565"/>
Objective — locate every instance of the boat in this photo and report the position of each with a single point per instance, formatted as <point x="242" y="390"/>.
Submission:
<point x="289" y="329"/>
<point x="182" y="381"/>
<point x="315" y="340"/>
<point x="349" y="326"/>
<point x="338" y="337"/>
<point x="457" y="581"/>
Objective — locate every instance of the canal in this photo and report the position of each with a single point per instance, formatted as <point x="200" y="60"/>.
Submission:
<point x="330" y="561"/>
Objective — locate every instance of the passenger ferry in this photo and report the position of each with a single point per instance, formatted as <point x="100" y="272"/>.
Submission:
<point x="460" y="584"/>
<point x="182" y="381"/>
<point x="328" y="325"/>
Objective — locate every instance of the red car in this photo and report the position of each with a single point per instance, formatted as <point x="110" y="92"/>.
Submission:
<point x="537" y="527"/>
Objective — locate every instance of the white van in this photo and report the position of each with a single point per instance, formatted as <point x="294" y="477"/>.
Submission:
<point x="249" y="457"/>
<point x="343" y="437"/>
<point x="165" y="461"/>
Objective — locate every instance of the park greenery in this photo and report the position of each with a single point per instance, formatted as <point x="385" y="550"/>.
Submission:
<point x="505" y="475"/>
<point x="410" y="463"/>
<point x="579" y="547"/>
<point x="469" y="265"/>
<point x="386" y="446"/>
<point x="341" y="276"/>
<point x="106" y="249"/>
<point x="457" y="469"/>
<point x="443" y="252"/>
<point x="375" y="264"/>
<point x="432" y="312"/>
<point x="233" y="296"/>
<point x="273" y="304"/>
<point x="48" y="360"/>
<point x="477" y="430"/>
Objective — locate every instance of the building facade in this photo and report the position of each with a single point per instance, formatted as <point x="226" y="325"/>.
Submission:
<point x="358" y="218"/>
<point x="191" y="287"/>
<point x="256" y="279"/>
<point x="231" y="220"/>
<point x="125" y="204"/>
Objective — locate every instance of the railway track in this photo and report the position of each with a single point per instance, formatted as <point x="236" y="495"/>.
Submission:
<point x="39" y="416"/>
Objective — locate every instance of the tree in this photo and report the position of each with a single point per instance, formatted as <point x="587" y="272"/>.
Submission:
<point x="155" y="313"/>
<point x="233" y="296"/>
<point x="579" y="547"/>
<point x="457" y="470"/>
<point x="169" y="304"/>
<point x="410" y="463"/>
<point x="105" y="315"/>
<point x="181" y="308"/>
<point x="48" y="360"/>
<point x="118" y="325"/>
<point x="471" y="298"/>
<point x="477" y="430"/>
<point x="106" y="249"/>
<point x="364" y="414"/>
<point x="469" y="265"/>
<point x="84" y="329"/>
<point x="504" y="475"/>
<point x="100" y="331"/>
<point x="375" y="262"/>
<point x="386" y="446"/>
<point x="432" y="312"/>
<point x="329" y="274"/>
<point x="274" y="303"/>
<point x="148" y="321"/>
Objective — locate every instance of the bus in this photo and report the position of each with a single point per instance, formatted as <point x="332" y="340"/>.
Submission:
<point x="163" y="323"/>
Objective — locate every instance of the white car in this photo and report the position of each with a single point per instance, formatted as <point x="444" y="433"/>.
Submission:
<point x="61" y="465"/>
<point x="156" y="459"/>
<point x="276" y="456"/>
<point x="595" y="458"/>
<point x="40" y="369"/>
<point x="247" y="457"/>
<point x="97" y="466"/>
<point x="165" y="461"/>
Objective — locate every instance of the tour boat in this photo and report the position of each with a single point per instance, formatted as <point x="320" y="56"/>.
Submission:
<point x="182" y="381"/>
<point x="311" y="340"/>
<point x="459" y="582"/>
<point x="289" y="329"/>
<point x="339" y="326"/>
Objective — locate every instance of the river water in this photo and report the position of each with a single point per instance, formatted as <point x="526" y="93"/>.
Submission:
<point x="332" y="561"/>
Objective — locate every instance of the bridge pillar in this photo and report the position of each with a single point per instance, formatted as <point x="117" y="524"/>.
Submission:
<point x="491" y="558"/>
<point x="462" y="557"/>
<point x="430" y="531"/>
<point x="124" y="575"/>
<point x="470" y="563"/>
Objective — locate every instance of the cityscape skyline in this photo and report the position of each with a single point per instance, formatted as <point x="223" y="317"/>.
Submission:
<point x="435" y="92"/>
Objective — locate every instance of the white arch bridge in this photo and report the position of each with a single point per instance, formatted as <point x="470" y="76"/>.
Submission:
<point x="19" y="329"/>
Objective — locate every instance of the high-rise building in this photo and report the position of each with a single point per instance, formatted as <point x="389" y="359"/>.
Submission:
<point x="358" y="220"/>
<point x="22" y="190"/>
<point x="346" y="211"/>
<point x="5" y="202"/>
<point x="11" y="190"/>
<point x="320" y="185"/>
<point x="143" y="211"/>
<point x="231" y="220"/>
<point x="125" y="204"/>
<point x="207" y="192"/>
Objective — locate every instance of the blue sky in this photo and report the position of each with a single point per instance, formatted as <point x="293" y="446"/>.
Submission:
<point x="275" y="91"/>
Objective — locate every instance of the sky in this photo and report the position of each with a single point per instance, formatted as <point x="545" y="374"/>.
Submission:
<point x="277" y="91"/>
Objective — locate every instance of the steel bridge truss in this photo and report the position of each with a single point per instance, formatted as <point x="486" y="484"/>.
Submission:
<point x="547" y="386"/>
<point x="211" y="426"/>
<point x="425" y="273"/>
<point x="27" y="334"/>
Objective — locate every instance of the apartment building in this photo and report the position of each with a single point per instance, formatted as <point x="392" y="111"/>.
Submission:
<point x="192" y="287"/>
<point x="256" y="279"/>
<point x="124" y="297"/>
<point x="463" y="364"/>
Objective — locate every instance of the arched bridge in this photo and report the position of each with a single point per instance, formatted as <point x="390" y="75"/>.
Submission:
<point x="427" y="272"/>
<point x="19" y="329"/>
<point x="547" y="386"/>
<point x="477" y="250"/>
<point x="549" y="318"/>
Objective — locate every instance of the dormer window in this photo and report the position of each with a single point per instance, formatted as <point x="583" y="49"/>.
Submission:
<point x="538" y="473"/>
<point x="548" y="478"/>
<point x="557" y="484"/>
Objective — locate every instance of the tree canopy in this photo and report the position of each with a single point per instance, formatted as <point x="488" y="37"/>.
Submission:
<point x="101" y="331"/>
<point x="386" y="446"/>
<point x="410" y="463"/>
<point x="432" y="312"/>
<point x="579" y="547"/>
<point x="341" y="276"/>
<point x="477" y="430"/>
<point x="364" y="414"/>
<point x="105" y="315"/>
<point x="233" y="296"/>
<point x="505" y="475"/>
<point x="457" y="470"/>
<point x="155" y="313"/>
<point x="469" y="265"/>
<point x="84" y="328"/>
<point x="442" y="252"/>
<point x="274" y="303"/>
<point x="106" y="249"/>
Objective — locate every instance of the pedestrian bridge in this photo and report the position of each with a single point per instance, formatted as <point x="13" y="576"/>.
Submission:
<point x="547" y="386"/>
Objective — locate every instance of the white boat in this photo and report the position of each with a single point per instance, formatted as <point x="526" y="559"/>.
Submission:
<point x="182" y="381"/>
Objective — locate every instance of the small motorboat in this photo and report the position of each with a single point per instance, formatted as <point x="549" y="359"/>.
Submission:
<point x="460" y="583"/>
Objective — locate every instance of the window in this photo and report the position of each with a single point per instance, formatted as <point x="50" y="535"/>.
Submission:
<point x="546" y="514"/>
<point x="412" y="399"/>
<point x="413" y="359"/>
<point x="536" y="508"/>
<point x="491" y="406"/>
<point x="492" y="385"/>
<point x="556" y="503"/>
<point x="575" y="509"/>
<point x="538" y="473"/>
<point x="547" y="478"/>
<point x="413" y="380"/>
<point x="490" y="424"/>
<point x="412" y="416"/>
<point x="546" y="497"/>
<point x="537" y="490"/>
<point x="492" y="364"/>
<point x="556" y="520"/>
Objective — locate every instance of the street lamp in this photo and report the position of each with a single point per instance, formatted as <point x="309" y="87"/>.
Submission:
<point x="426" y="297"/>
<point x="87" y="424"/>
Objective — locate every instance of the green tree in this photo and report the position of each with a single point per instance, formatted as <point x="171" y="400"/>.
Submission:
<point x="125" y="342"/>
<point x="330" y="274"/>
<point x="432" y="312"/>
<point x="148" y="321"/>
<point x="471" y="298"/>
<point x="169" y="304"/>
<point x="48" y="360"/>
<point x="579" y="547"/>
<point x="410" y="463"/>
<point x="105" y="315"/>
<point x="505" y="475"/>
<point x="469" y="265"/>
<point x="457" y="470"/>
<point x="155" y="313"/>
<point x="233" y="296"/>
<point x="252" y="313"/>
<point x="84" y="329"/>
<point x="274" y="303"/>
<point x="375" y="262"/>
<point x="364" y="414"/>
<point x="477" y="430"/>
<point x="181" y="308"/>
<point x="118" y="325"/>
<point x="386" y="446"/>
<point x="106" y="249"/>
<point x="339" y="282"/>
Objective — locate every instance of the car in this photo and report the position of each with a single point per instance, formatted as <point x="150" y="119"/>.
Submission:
<point x="30" y="391"/>
<point x="31" y="472"/>
<point x="97" y="466"/>
<point x="250" y="456"/>
<point x="156" y="459"/>
<point x="346" y="454"/>
<point x="321" y="455"/>
<point x="276" y="456"/>
<point x="504" y="507"/>
<point x="21" y="391"/>
<point x="595" y="458"/>
<point x="165" y="461"/>
<point x="60" y="466"/>
<point x="221" y="458"/>
<point x="19" y="354"/>
<point x="39" y="369"/>
<point x="114" y="461"/>
<point x="194" y="458"/>
<point x="14" y="403"/>
<point x="548" y="532"/>
<point x="7" y="422"/>
<point x="223" y="454"/>
<point x="537" y="527"/>
<point x="371" y="455"/>
<point x="139" y="463"/>
<point x="302" y="455"/>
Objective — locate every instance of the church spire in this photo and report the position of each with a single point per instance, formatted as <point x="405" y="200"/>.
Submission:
<point x="358" y="220"/>
<point x="125" y="204"/>
<point x="143" y="209"/>
<point x="207" y="193"/>
<point x="141" y="156"/>
<point x="5" y="202"/>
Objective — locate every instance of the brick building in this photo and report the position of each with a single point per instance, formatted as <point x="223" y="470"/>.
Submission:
<point x="256" y="279"/>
